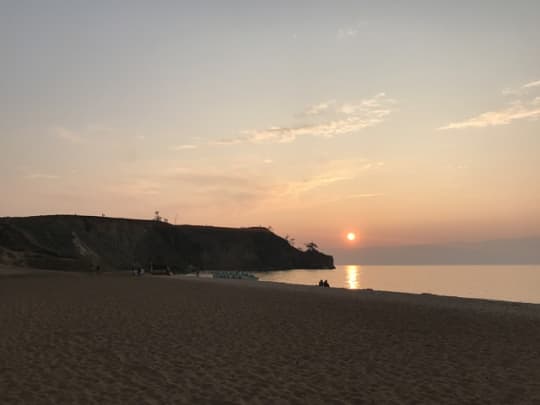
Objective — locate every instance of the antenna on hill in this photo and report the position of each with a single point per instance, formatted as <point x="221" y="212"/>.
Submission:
<point x="176" y="216"/>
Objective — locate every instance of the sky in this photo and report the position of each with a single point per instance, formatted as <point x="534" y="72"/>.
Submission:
<point x="411" y="122"/>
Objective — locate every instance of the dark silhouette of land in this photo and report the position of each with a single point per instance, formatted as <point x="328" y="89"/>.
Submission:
<point x="72" y="242"/>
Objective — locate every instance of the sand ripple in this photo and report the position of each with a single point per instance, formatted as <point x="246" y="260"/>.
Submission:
<point x="113" y="339"/>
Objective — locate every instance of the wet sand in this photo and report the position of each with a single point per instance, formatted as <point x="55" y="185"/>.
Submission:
<point x="112" y="339"/>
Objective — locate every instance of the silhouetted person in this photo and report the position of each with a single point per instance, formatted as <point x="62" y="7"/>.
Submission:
<point x="321" y="284"/>
<point x="325" y="284"/>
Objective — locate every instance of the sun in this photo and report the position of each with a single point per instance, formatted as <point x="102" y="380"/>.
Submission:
<point x="351" y="236"/>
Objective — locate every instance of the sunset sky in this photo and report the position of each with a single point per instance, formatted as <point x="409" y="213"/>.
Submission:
<point x="404" y="122"/>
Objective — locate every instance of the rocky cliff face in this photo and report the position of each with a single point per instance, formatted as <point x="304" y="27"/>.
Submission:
<point x="80" y="243"/>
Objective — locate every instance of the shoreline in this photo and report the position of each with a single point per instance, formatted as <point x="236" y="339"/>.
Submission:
<point x="7" y="271"/>
<point x="436" y="300"/>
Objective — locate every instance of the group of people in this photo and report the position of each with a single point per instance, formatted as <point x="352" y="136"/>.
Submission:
<point x="139" y="271"/>
<point x="324" y="283"/>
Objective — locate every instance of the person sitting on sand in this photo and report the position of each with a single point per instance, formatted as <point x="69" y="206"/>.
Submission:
<point x="321" y="284"/>
<point x="325" y="284"/>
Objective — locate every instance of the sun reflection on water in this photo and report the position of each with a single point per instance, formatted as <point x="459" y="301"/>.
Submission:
<point x="352" y="277"/>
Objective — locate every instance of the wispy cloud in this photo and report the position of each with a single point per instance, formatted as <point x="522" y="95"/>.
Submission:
<point x="351" y="31"/>
<point x="300" y="187"/>
<point x="346" y="118"/>
<point x="348" y="32"/>
<point x="512" y="92"/>
<point x="216" y="187"/>
<point x="84" y="134"/>
<point x="68" y="135"/>
<point x="522" y="108"/>
<point x="521" y="90"/>
<point x="183" y="147"/>
<point x="365" y="195"/>
<point x="516" y="111"/>
<point x="320" y="108"/>
<point x="532" y="84"/>
<point x="461" y="167"/>
<point x="210" y="178"/>
<point x="333" y="172"/>
<point x="41" y="176"/>
<point x="136" y="187"/>
<point x="354" y="196"/>
<point x="208" y="188"/>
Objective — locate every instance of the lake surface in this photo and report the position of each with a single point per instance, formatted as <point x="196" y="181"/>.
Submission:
<point x="509" y="283"/>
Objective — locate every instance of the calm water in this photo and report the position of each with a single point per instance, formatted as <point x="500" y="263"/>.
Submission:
<point x="510" y="283"/>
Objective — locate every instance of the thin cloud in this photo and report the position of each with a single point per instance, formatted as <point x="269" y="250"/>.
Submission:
<point x="205" y="188"/>
<point x="315" y="182"/>
<point x="517" y="111"/>
<point x="347" y="118"/>
<point x="521" y="90"/>
<point x="327" y="129"/>
<point x="365" y="195"/>
<point x="512" y="92"/>
<point x="532" y="84"/>
<point x="41" y="176"/>
<point x="210" y="178"/>
<point x="334" y="172"/>
<point x="241" y="190"/>
<point x="68" y="135"/>
<point x="320" y="108"/>
<point x="137" y="187"/>
<point x="228" y="141"/>
<point x="83" y="135"/>
<point x="348" y="32"/>
<point x="358" y="196"/>
<point x="183" y="147"/>
<point x="217" y="187"/>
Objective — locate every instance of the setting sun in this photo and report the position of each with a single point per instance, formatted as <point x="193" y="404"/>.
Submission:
<point x="351" y="236"/>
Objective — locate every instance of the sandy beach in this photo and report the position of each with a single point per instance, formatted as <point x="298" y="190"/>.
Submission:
<point x="112" y="339"/>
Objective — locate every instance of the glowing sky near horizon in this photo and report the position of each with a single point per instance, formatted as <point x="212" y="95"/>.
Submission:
<point x="403" y="123"/>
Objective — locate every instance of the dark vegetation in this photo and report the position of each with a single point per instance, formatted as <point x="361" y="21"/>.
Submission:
<point x="72" y="242"/>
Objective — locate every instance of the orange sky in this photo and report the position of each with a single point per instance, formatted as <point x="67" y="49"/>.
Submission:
<point x="419" y="126"/>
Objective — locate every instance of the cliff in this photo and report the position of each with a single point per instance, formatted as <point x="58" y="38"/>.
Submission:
<point x="71" y="242"/>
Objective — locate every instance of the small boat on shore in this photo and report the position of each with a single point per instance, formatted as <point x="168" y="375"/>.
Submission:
<point x="237" y="275"/>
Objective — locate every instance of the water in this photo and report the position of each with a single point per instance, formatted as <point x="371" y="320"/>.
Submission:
<point x="509" y="283"/>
